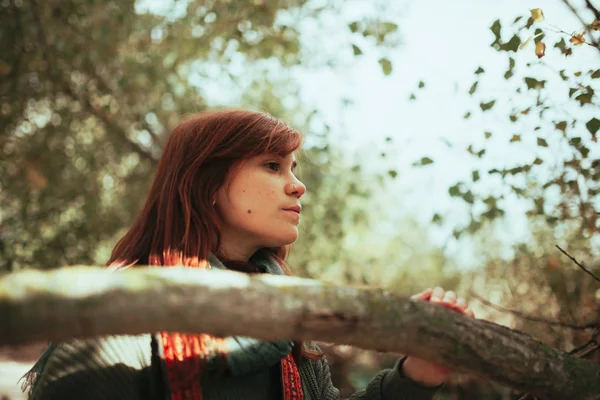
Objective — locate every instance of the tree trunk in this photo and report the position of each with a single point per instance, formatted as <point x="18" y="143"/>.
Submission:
<point x="83" y="301"/>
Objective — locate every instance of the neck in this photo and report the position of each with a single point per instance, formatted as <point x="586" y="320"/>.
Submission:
<point x="236" y="248"/>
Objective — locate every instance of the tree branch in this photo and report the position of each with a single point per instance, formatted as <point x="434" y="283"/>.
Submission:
<point x="527" y="317"/>
<point x="83" y="302"/>
<point x="593" y="9"/>
<point x="585" y="26"/>
<point x="579" y="264"/>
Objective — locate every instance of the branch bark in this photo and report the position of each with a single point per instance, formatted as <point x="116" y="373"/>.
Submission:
<point x="83" y="302"/>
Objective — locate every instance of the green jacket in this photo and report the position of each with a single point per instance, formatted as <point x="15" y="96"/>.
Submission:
<point x="122" y="367"/>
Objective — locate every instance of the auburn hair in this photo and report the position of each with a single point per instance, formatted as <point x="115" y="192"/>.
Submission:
<point x="178" y="224"/>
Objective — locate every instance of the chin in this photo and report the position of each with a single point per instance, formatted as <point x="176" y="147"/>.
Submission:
<point x="282" y="238"/>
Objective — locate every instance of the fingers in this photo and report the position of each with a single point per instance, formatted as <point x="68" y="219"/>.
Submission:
<point x="437" y="295"/>
<point x="461" y="303"/>
<point x="447" y="299"/>
<point x="424" y="295"/>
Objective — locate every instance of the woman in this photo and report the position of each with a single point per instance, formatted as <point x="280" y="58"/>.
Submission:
<point x="224" y="196"/>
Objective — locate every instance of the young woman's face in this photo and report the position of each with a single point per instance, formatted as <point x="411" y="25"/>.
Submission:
<point x="260" y="205"/>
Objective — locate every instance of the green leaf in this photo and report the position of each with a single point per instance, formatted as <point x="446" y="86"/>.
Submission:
<point x="386" y="65"/>
<point x="542" y="142"/>
<point x="562" y="45"/>
<point x="487" y="106"/>
<point x="517" y="19"/>
<point x="412" y="97"/>
<point x="515" y="138"/>
<point x="563" y="76"/>
<point x="596" y="74"/>
<point x="388" y="139"/>
<point x="534" y="83"/>
<point x="390" y="27"/>
<point x="423" y="161"/>
<point x="437" y="218"/>
<point x="357" y="51"/>
<point x="511" y="68"/>
<point x="537" y="38"/>
<point x="353" y="26"/>
<point x="392" y="173"/>
<point x="578" y="73"/>
<point x="488" y="135"/>
<point x="479" y="71"/>
<point x="561" y="126"/>
<point x="585" y="98"/>
<point x="495" y="28"/>
<point x="512" y="44"/>
<point x="475" y="176"/>
<point x="516" y="170"/>
<point x="539" y="205"/>
<point x="572" y="91"/>
<point x="530" y="22"/>
<point x="473" y="88"/>
<point x="468" y="197"/>
<point x="593" y="125"/>
<point x="538" y="161"/>
<point x="513" y="118"/>
<point x="421" y="84"/>
<point x="454" y="191"/>
<point x="490" y="201"/>
<point x="467" y="115"/>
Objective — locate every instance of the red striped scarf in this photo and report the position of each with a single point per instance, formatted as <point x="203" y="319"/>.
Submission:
<point x="186" y="354"/>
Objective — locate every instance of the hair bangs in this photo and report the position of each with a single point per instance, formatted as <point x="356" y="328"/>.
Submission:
<point x="282" y="140"/>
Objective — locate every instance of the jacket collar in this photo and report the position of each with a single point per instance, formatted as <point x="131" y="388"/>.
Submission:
<point x="261" y="259"/>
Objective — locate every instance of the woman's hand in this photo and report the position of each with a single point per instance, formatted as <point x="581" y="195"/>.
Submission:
<point x="425" y="372"/>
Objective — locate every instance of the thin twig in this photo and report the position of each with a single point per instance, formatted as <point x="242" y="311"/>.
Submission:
<point x="585" y="26"/>
<point x="571" y="35"/>
<point x="527" y="317"/>
<point x="579" y="264"/>
<point x="593" y="9"/>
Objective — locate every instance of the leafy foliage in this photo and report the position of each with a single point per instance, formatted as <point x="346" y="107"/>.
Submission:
<point x="561" y="181"/>
<point x="90" y="91"/>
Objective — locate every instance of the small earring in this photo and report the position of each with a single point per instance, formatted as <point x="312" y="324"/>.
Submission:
<point x="214" y="202"/>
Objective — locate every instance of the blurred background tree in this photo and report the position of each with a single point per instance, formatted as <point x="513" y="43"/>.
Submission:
<point x="92" y="89"/>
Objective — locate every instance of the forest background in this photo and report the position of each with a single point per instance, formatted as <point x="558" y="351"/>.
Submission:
<point x="446" y="144"/>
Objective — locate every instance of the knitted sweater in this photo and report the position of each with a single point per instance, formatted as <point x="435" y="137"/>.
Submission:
<point x="123" y="367"/>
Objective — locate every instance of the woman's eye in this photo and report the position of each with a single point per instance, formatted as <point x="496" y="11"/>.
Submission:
<point x="273" y="166"/>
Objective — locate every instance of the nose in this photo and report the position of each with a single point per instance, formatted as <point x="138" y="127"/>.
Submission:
<point x="295" y="188"/>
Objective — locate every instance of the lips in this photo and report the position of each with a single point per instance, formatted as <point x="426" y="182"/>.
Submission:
<point x="296" y="209"/>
